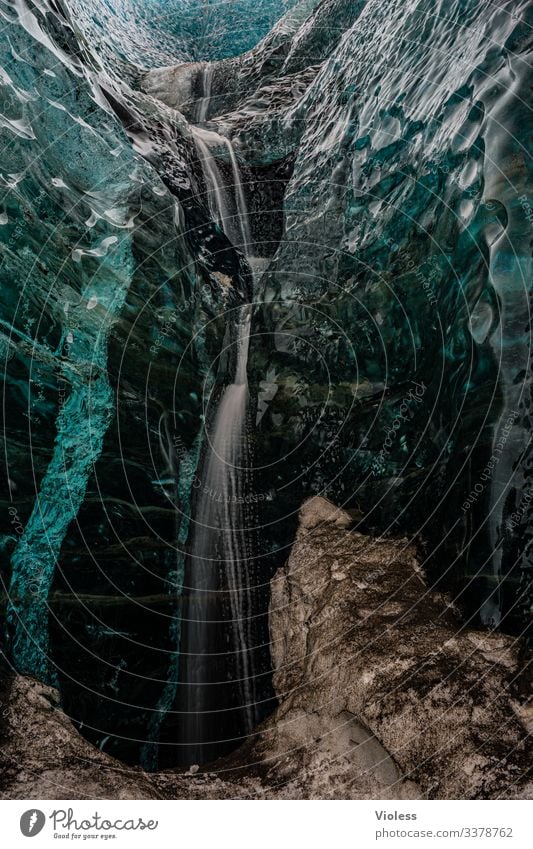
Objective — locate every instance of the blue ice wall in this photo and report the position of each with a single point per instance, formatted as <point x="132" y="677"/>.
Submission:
<point x="160" y="32"/>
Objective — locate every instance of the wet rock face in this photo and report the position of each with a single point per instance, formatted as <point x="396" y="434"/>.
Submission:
<point x="383" y="692"/>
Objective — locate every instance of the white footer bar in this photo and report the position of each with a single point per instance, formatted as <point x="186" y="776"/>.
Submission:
<point x="268" y="825"/>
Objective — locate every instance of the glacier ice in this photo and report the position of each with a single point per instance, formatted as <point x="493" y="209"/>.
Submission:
<point x="360" y="172"/>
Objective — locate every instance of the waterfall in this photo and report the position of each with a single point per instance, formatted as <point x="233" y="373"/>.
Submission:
<point x="242" y="208"/>
<point x="218" y="691"/>
<point x="217" y="599"/>
<point x="228" y="209"/>
<point x="202" y="107"/>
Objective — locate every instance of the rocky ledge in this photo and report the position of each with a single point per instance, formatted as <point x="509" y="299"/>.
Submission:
<point x="383" y="693"/>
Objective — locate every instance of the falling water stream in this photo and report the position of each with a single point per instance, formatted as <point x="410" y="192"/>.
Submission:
<point x="227" y="203"/>
<point x="203" y="104"/>
<point x="217" y="672"/>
